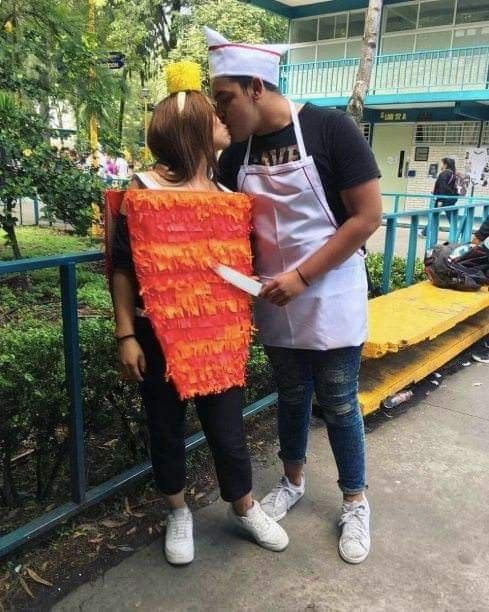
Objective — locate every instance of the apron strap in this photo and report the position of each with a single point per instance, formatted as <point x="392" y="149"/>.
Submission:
<point x="246" y="159"/>
<point x="147" y="181"/>
<point x="297" y="131"/>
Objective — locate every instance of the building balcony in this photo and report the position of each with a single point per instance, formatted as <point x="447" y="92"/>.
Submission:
<point x="447" y="75"/>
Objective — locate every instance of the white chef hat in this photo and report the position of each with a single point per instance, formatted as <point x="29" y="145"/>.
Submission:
<point x="241" y="59"/>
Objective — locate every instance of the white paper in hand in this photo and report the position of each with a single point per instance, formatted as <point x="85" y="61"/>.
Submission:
<point x="241" y="281"/>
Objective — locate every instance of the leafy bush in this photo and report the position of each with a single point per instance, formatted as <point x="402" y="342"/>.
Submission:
<point x="68" y="193"/>
<point x="35" y="401"/>
<point x="375" y="265"/>
<point x="29" y="166"/>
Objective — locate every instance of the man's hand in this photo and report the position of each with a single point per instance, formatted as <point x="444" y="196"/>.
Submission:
<point x="283" y="288"/>
<point x="132" y="359"/>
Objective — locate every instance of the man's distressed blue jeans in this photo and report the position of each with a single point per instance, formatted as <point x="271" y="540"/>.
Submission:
<point x="333" y="375"/>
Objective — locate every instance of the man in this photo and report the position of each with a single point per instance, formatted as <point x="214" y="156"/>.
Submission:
<point x="316" y="203"/>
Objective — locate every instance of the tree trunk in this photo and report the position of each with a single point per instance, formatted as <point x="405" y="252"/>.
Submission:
<point x="122" y="107"/>
<point x="9" y="492"/>
<point x="356" y="103"/>
<point x="12" y="238"/>
<point x="7" y="222"/>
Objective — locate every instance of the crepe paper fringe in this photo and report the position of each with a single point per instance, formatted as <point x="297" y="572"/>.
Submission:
<point x="183" y="76"/>
<point x="202" y="323"/>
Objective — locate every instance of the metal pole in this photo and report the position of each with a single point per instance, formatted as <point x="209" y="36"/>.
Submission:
<point x="73" y="380"/>
<point x="36" y="209"/>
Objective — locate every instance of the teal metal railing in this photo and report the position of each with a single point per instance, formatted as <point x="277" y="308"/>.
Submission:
<point x="424" y="71"/>
<point x="81" y="496"/>
<point x="461" y="223"/>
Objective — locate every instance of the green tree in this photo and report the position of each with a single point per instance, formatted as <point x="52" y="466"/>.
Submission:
<point x="234" y="20"/>
<point x="22" y="146"/>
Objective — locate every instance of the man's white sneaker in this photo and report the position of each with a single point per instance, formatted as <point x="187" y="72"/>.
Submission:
<point x="262" y="528"/>
<point x="281" y="499"/>
<point x="354" y="544"/>
<point x="179" y="538"/>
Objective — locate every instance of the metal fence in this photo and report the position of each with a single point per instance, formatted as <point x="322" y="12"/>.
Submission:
<point x="461" y="223"/>
<point x="423" y="71"/>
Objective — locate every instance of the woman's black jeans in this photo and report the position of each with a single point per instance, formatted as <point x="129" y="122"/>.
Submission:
<point x="220" y="416"/>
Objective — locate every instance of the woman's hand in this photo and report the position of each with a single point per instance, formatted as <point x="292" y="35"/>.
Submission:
<point x="132" y="359"/>
<point x="283" y="288"/>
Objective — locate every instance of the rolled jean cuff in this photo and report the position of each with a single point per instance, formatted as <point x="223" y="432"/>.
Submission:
<point x="294" y="461"/>
<point x="237" y="494"/>
<point x="352" y="491"/>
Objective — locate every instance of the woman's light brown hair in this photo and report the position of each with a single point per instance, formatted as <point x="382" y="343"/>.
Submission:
<point x="180" y="140"/>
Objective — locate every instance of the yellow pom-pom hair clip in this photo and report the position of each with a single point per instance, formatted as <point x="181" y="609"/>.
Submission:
<point x="182" y="77"/>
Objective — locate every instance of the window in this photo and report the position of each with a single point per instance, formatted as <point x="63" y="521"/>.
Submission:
<point x="434" y="133"/>
<point x="340" y="25"/>
<point x="470" y="11"/>
<point x="339" y="36"/>
<point x="471" y="37"/>
<point x="485" y="134"/>
<point x="470" y="133"/>
<point x="434" y="40"/>
<point x="331" y="51"/>
<point x="332" y="26"/>
<point x="353" y="48"/>
<point x="398" y="44"/>
<point x="366" y="129"/>
<point x="356" y="24"/>
<point x="400" y="18"/>
<point x="436" y="13"/>
<point x="303" y="31"/>
<point x="451" y="133"/>
<point x="326" y="27"/>
<point x="303" y="54"/>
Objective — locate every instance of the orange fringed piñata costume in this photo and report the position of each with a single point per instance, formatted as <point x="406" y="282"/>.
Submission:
<point x="202" y="323"/>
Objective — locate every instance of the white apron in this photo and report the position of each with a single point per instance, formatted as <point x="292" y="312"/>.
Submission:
<point x="292" y="220"/>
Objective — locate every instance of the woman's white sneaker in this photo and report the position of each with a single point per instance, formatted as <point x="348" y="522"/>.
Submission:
<point x="179" y="537"/>
<point x="262" y="528"/>
<point x="354" y="544"/>
<point x="282" y="498"/>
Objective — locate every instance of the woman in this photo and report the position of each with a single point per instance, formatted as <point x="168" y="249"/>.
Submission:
<point x="445" y="185"/>
<point x="183" y="136"/>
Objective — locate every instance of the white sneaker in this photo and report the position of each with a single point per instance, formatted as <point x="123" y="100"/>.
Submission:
<point x="354" y="544"/>
<point x="179" y="538"/>
<point x="282" y="498"/>
<point x="264" y="529"/>
<point x="481" y="356"/>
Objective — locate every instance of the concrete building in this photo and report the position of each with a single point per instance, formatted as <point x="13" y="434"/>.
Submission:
<point x="429" y="95"/>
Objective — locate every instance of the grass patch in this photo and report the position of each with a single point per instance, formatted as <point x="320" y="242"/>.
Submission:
<point x="44" y="241"/>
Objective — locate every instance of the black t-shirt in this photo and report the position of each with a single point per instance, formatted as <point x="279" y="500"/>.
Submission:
<point x="342" y="154"/>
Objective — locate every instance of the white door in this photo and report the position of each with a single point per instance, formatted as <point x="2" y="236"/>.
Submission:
<point x="392" y="146"/>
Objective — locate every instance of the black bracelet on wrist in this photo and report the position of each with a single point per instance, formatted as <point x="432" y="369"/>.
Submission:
<point x="302" y="277"/>
<point x="121" y="338"/>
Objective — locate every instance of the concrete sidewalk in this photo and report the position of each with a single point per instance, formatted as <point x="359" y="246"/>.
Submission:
<point x="428" y="474"/>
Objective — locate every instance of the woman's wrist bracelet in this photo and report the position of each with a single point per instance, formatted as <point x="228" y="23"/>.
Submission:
<point x="301" y="276"/>
<point x="121" y="338"/>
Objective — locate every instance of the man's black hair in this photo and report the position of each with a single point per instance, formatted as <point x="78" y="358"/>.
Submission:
<point x="245" y="81"/>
